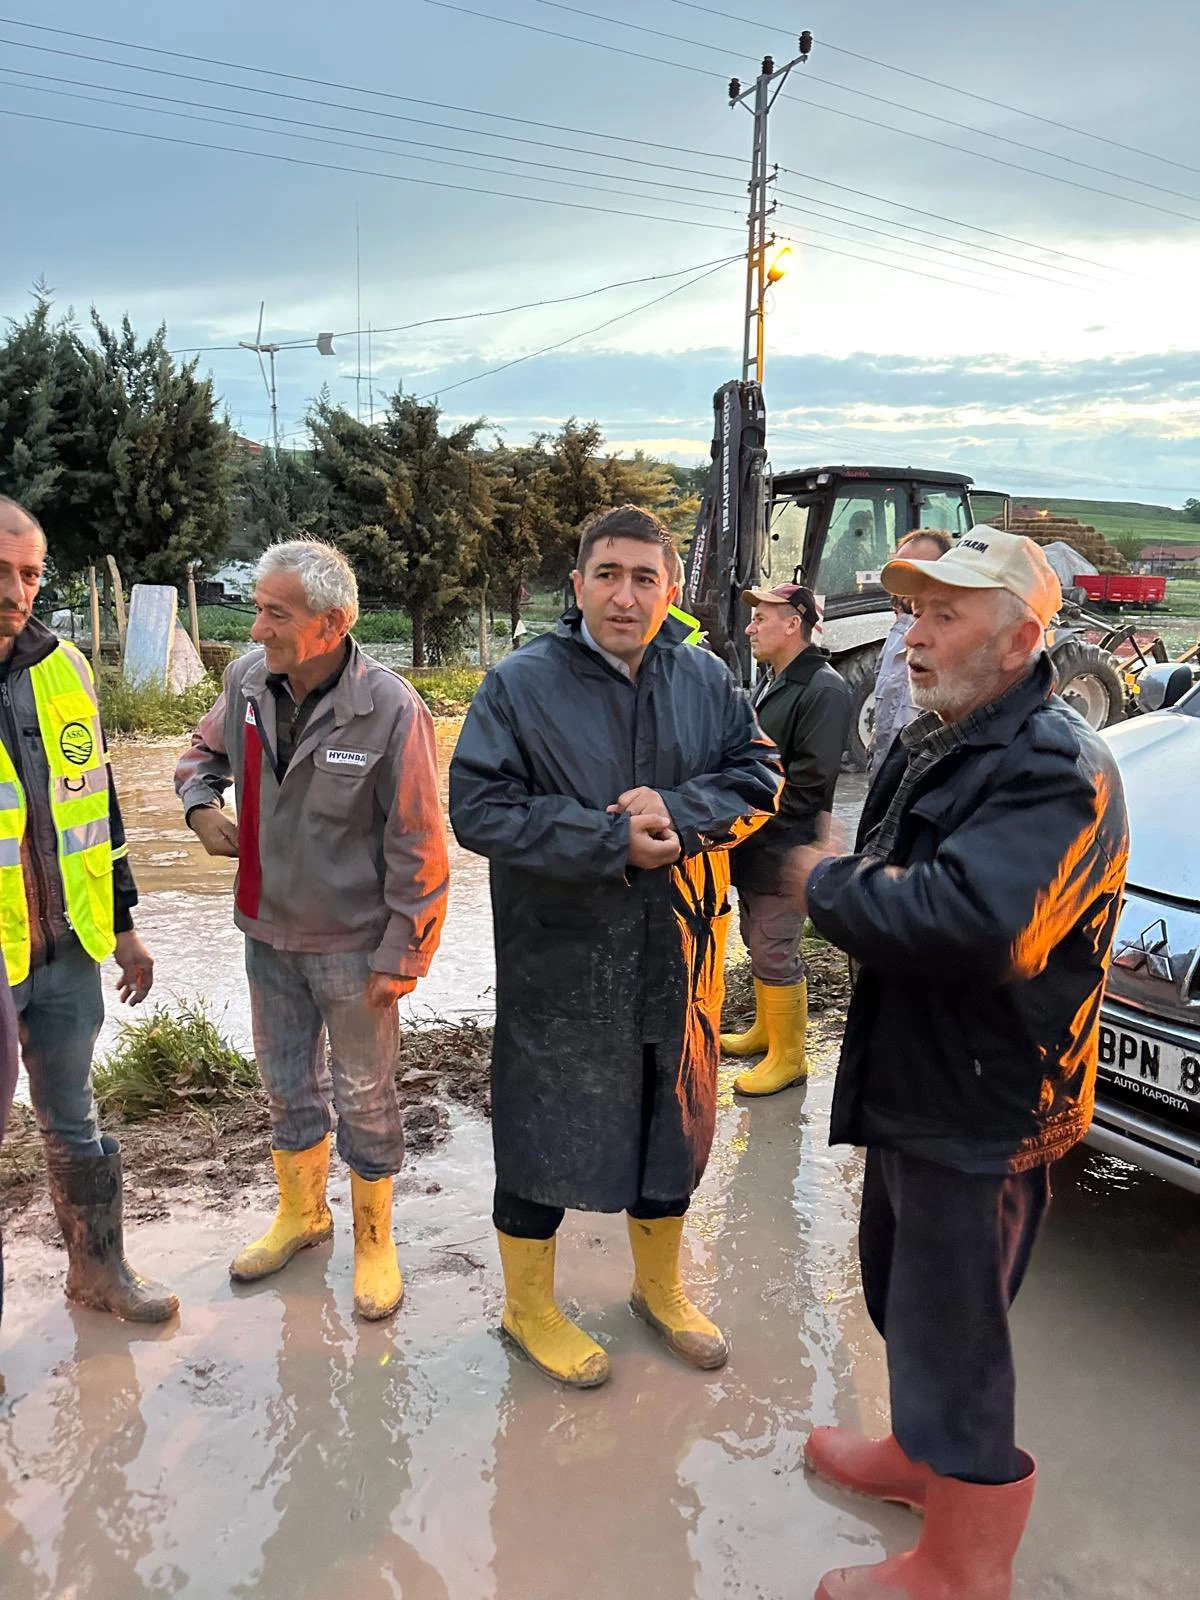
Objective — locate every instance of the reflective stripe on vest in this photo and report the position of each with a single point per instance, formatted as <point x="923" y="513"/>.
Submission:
<point x="697" y="632"/>
<point x="69" y="720"/>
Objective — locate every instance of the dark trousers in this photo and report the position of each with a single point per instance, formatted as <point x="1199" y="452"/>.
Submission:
<point x="526" y="1219"/>
<point x="943" y="1254"/>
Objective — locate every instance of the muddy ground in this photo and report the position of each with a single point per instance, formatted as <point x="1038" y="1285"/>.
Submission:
<point x="212" y="1153"/>
<point x="267" y="1446"/>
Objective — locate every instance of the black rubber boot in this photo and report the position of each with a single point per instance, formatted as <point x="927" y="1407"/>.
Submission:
<point x="86" y="1191"/>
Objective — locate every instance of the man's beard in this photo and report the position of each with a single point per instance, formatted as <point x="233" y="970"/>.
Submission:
<point x="972" y="685"/>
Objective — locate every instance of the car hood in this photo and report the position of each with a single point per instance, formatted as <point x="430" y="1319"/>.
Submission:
<point x="1159" y="758"/>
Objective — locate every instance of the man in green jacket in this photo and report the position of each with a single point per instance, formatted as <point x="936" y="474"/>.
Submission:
<point x="803" y="706"/>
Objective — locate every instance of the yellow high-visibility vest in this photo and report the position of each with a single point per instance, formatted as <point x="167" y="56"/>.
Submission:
<point x="697" y="632"/>
<point x="69" y="719"/>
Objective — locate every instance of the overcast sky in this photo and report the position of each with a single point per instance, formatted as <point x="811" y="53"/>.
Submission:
<point x="1063" y="357"/>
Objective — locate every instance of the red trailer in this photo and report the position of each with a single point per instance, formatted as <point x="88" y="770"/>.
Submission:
<point x="1123" y="589"/>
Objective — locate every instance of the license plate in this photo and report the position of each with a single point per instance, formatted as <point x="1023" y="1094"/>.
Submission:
<point x="1154" y="1071"/>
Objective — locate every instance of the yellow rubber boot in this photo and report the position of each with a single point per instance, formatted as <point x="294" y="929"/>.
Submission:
<point x="301" y="1219"/>
<point x="785" y="1010"/>
<point x="534" y="1321"/>
<point x="754" y="1041"/>
<point x="378" y="1286"/>
<point x="658" y="1294"/>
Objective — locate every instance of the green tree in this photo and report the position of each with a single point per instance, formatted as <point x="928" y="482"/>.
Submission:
<point x="276" y="497"/>
<point x="41" y="385"/>
<point x="524" y="520"/>
<point x="1191" y="510"/>
<point x="152" y="483"/>
<point x="409" y="504"/>
<point x="582" y="479"/>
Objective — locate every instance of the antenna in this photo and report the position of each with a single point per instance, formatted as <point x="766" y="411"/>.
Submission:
<point x="358" y="313"/>
<point x="323" y="343"/>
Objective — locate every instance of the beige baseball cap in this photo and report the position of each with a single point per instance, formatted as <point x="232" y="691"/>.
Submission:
<point x="985" y="558"/>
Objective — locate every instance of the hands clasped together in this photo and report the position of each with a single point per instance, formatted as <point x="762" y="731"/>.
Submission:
<point x="653" y="841"/>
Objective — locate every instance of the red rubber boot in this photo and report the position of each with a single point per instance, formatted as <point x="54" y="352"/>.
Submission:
<point x="874" y="1467"/>
<point x="966" y="1550"/>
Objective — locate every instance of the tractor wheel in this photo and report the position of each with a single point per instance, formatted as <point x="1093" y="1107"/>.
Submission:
<point x="859" y="672"/>
<point x="1090" y="683"/>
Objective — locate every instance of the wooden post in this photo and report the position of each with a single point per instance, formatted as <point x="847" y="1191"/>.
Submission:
<point x="483" y="626"/>
<point x="193" y="614"/>
<point x="94" y="596"/>
<point x="119" y="601"/>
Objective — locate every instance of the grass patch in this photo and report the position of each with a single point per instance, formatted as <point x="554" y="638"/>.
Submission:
<point x="172" y="1060"/>
<point x="146" y="708"/>
<point x="447" y="691"/>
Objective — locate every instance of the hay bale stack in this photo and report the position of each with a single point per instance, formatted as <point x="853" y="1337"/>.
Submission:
<point x="1044" y="527"/>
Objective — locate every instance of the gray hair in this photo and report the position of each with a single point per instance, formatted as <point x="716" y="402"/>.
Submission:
<point x="1011" y="611"/>
<point x="326" y="576"/>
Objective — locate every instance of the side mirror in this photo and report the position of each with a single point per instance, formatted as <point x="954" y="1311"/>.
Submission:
<point x="1161" y="687"/>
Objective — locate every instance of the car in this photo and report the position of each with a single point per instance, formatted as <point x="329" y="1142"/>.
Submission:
<point x="1148" y="1081"/>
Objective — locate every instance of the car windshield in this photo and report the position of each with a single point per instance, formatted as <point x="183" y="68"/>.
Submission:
<point x="1190" y="704"/>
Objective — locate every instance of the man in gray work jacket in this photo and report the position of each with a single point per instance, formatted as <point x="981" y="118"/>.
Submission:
<point x="341" y="893"/>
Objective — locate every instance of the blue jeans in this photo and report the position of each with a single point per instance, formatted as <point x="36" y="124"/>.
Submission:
<point x="298" y="1000"/>
<point x="60" y="1008"/>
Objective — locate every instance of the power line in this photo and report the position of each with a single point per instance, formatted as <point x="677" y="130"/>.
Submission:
<point x="865" y="194"/>
<point x="952" y="88"/>
<point x="472" y="316"/>
<point x="600" y="326"/>
<point x="844" y="88"/>
<point x="366" y="172"/>
<point x="259" y="89"/>
<point x="431" y="183"/>
<point x="837" y="111"/>
<point x="338" y="105"/>
<point x="324" y="83"/>
<point x="400" y="155"/>
<point x="974" y="263"/>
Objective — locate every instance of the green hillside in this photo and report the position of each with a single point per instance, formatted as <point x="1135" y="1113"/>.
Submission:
<point x="1122" y="516"/>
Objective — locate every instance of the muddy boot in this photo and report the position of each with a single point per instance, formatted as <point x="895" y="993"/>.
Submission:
<point x="877" y="1468"/>
<point x="785" y="1014"/>
<point x="86" y="1191"/>
<point x="534" y="1321"/>
<point x="754" y="1041"/>
<point x="658" y="1296"/>
<point x="301" y="1219"/>
<point x="378" y="1285"/>
<point x="966" y="1551"/>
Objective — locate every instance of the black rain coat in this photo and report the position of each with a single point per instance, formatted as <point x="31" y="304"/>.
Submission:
<point x="983" y="943"/>
<point x="596" y="960"/>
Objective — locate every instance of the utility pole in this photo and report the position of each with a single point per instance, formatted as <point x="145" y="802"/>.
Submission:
<point x="758" y="99"/>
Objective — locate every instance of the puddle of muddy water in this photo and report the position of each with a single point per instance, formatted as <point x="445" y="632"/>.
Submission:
<point x="185" y="910"/>
<point x="270" y="1446"/>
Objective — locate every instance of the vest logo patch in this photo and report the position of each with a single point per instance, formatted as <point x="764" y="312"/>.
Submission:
<point x="345" y="758"/>
<point x="76" y="743"/>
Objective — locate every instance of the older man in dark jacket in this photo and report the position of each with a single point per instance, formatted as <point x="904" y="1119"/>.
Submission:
<point x="980" y="909"/>
<point x="605" y="770"/>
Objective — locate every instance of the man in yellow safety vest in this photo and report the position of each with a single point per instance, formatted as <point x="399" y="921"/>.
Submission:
<point x="66" y="894"/>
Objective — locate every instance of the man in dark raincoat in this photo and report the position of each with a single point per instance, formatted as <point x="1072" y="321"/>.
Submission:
<point x="605" y="770"/>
